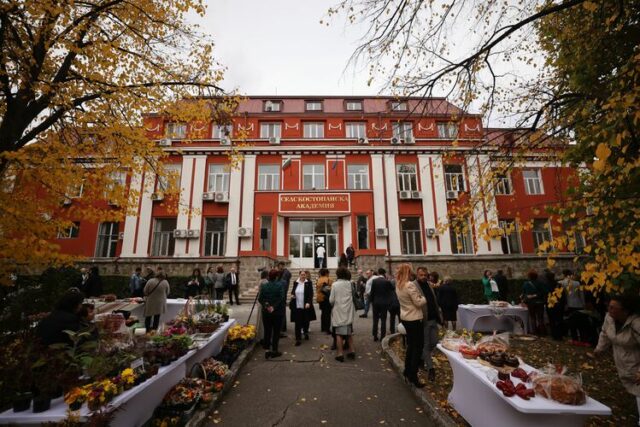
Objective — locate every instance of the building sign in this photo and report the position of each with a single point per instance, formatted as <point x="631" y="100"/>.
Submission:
<point x="315" y="203"/>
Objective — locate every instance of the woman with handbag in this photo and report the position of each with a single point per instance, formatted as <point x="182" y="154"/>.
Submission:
<point x="343" y="312"/>
<point x="323" y="289"/>
<point x="301" y="305"/>
<point x="155" y="292"/>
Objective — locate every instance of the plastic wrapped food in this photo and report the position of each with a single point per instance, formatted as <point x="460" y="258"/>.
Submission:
<point x="556" y="385"/>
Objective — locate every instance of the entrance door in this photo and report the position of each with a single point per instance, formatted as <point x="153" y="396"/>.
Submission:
<point x="306" y="235"/>
<point x="320" y="242"/>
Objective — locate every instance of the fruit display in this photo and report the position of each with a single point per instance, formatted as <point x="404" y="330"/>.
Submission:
<point x="468" y="352"/>
<point x="509" y="389"/>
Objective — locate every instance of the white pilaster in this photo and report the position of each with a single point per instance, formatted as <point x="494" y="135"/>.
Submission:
<point x="428" y="211"/>
<point x="233" y="222"/>
<point x="280" y="236"/>
<point x="347" y="235"/>
<point x="199" y="172"/>
<point x="484" y="209"/>
<point x="248" y="192"/>
<point x="131" y="221"/>
<point x="441" y="203"/>
<point x="182" y="222"/>
<point x="379" y="200"/>
<point x="392" y="204"/>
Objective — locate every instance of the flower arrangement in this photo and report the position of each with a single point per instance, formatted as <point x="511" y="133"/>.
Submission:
<point x="247" y="332"/>
<point x="76" y="397"/>
<point x="100" y="393"/>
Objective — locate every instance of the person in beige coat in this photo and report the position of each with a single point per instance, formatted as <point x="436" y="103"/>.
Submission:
<point x="411" y="303"/>
<point x="343" y="312"/>
<point x="155" y="292"/>
<point x="621" y="333"/>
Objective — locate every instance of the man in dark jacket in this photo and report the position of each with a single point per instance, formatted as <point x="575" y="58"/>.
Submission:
<point x="380" y="298"/>
<point x="503" y="285"/>
<point x="272" y="299"/>
<point x="285" y="278"/>
<point x="232" y="284"/>
<point x="351" y="254"/>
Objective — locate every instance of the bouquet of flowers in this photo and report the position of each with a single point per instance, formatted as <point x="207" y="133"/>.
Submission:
<point x="246" y="333"/>
<point x="76" y="397"/>
<point x="100" y="393"/>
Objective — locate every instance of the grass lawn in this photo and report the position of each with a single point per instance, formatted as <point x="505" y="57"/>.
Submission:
<point x="600" y="378"/>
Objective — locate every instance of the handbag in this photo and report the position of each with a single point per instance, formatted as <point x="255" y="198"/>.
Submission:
<point x="357" y="302"/>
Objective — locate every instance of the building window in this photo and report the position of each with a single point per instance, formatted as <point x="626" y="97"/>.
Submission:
<point x="411" y="235"/>
<point x="215" y="236"/>
<point x="352" y="105"/>
<point x="75" y="190"/>
<point x="532" y="181"/>
<point x="407" y="178"/>
<point x="541" y="232"/>
<point x="272" y="106"/>
<point x="163" y="241"/>
<point x="402" y="130"/>
<point x="221" y="131"/>
<point x="107" y="240"/>
<point x="314" y="130"/>
<point x="503" y="185"/>
<point x="270" y="130"/>
<point x="399" y="106"/>
<point x="218" y="178"/>
<point x="462" y="240"/>
<point x="356" y="130"/>
<point x="358" y="177"/>
<point x="575" y="236"/>
<point x="313" y="105"/>
<point x="268" y="177"/>
<point x="362" y="223"/>
<point x="510" y="237"/>
<point x="265" y="233"/>
<point x="447" y="130"/>
<point x="70" y="232"/>
<point x="176" y="130"/>
<point x="170" y="179"/>
<point x="454" y="177"/>
<point x="313" y="177"/>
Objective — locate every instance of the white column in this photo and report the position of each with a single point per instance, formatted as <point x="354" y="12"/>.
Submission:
<point x="379" y="200"/>
<point x="182" y="222"/>
<point x="392" y="204"/>
<point x="233" y="222"/>
<point x="199" y="172"/>
<point x="280" y="237"/>
<point x="441" y="203"/>
<point x="346" y="232"/>
<point x="484" y="211"/>
<point x="141" y="247"/>
<point x="248" y="190"/>
<point x="428" y="212"/>
<point x="131" y="221"/>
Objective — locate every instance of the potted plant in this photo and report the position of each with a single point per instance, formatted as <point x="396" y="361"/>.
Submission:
<point x="75" y="398"/>
<point x="15" y="370"/>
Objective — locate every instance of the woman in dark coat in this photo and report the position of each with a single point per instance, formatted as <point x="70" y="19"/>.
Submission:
<point x="93" y="286"/>
<point x="195" y="284"/>
<point x="448" y="302"/>
<point x="301" y="305"/>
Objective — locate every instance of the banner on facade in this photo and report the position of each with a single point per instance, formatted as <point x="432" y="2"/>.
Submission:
<point x="315" y="203"/>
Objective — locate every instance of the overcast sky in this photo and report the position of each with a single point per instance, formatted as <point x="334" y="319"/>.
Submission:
<point x="279" y="47"/>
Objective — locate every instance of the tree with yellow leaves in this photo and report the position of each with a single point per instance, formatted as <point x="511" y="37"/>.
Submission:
<point x="76" y="77"/>
<point x="568" y="71"/>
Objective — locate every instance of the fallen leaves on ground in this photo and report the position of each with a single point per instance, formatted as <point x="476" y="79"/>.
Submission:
<point x="599" y="377"/>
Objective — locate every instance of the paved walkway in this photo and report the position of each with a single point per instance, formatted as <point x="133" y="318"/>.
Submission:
<point x="307" y="387"/>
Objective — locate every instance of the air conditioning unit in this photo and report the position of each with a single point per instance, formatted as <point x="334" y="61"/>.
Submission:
<point x="409" y="140"/>
<point x="66" y="201"/>
<point x="452" y="195"/>
<point x="208" y="195"/>
<point x="165" y="142"/>
<point x="180" y="234"/>
<point x="382" y="232"/>
<point x="222" y="197"/>
<point x="193" y="234"/>
<point x="395" y="140"/>
<point x="121" y="235"/>
<point x="274" y="140"/>
<point x="404" y="195"/>
<point x="431" y="232"/>
<point x="363" y="141"/>
<point x="416" y="195"/>
<point x="225" y="140"/>
<point x="245" y="232"/>
<point x="156" y="197"/>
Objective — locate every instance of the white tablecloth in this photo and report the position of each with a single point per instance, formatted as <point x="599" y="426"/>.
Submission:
<point x="482" y="404"/>
<point x="482" y="318"/>
<point x="137" y="404"/>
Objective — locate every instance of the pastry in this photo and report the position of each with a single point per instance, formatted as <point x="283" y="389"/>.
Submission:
<point x="511" y="360"/>
<point x="496" y="360"/>
<point x="560" y="388"/>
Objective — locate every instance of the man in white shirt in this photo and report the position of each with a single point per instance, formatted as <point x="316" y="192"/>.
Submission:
<point x="371" y="276"/>
<point x="320" y="252"/>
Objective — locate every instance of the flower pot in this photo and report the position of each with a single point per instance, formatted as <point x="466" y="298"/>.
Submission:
<point x="58" y="392"/>
<point x="75" y="406"/>
<point x="153" y="370"/>
<point x="41" y="403"/>
<point x="22" y="402"/>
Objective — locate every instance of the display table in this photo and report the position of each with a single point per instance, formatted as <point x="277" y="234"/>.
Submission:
<point x="482" y="404"/>
<point x="484" y="318"/>
<point x="135" y="406"/>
